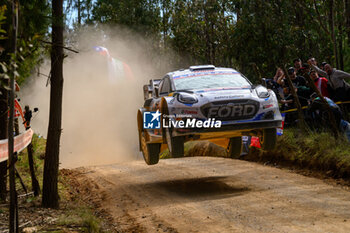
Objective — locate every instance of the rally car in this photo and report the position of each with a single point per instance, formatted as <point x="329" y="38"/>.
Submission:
<point x="205" y="103"/>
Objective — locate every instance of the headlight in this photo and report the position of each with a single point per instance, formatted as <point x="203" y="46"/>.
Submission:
<point x="262" y="92"/>
<point x="186" y="98"/>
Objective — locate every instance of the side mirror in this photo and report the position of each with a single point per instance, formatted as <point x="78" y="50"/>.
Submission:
<point x="36" y="109"/>
<point x="156" y="91"/>
<point x="145" y="92"/>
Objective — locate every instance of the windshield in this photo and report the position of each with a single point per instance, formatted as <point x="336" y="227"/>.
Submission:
<point x="205" y="80"/>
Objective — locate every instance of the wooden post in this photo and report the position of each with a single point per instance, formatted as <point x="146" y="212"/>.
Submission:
<point x="301" y="119"/>
<point x="35" y="183"/>
<point x="13" y="220"/>
<point x="21" y="181"/>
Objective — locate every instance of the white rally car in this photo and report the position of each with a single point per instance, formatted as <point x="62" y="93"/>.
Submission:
<point x="205" y="103"/>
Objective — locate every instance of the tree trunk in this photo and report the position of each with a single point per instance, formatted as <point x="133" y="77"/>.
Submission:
<point x="3" y="135"/>
<point x="347" y="16"/>
<point x="331" y="26"/>
<point x="79" y="12"/>
<point x="341" y="32"/>
<point x="50" y="189"/>
<point x="340" y="47"/>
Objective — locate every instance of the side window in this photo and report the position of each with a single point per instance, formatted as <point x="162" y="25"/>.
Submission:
<point x="165" y="88"/>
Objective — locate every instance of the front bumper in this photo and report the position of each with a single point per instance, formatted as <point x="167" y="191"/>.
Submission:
<point x="234" y="128"/>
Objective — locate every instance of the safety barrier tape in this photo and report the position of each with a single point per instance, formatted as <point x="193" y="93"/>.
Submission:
<point x="20" y="143"/>
<point x="305" y="107"/>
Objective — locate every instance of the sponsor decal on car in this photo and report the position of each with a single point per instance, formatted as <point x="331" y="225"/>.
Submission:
<point x="267" y="106"/>
<point x="232" y="110"/>
<point x="186" y="111"/>
<point x="195" y="74"/>
<point x="228" y="97"/>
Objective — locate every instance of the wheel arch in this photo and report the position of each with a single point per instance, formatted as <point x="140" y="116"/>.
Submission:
<point x="140" y="124"/>
<point x="164" y="110"/>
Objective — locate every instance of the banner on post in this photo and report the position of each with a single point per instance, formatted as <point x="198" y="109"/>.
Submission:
<point x="20" y="143"/>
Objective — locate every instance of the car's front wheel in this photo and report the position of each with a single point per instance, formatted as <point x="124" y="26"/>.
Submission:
<point x="175" y="144"/>
<point x="150" y="151"/>
<point x="268" y="139"/>
<point x="235" y="147"/>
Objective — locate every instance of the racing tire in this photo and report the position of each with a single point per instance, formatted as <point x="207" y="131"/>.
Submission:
<point x="150" y="151"/>
<point x="175" y="144"/>
<point x="269" y="139"/>
<point x="235" y="147"/>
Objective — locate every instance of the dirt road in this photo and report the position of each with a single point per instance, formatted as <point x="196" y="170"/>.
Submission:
<point x="216" y="195"/>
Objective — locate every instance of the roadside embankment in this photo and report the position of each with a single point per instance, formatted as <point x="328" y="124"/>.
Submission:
<point x="316" y="152"/>
<point x="76" y="214"/>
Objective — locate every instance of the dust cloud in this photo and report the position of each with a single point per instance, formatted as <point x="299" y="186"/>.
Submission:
<point x="99" y="111"/>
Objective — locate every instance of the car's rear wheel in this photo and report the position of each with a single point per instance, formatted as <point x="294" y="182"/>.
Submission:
<point x="268" y="139"/>
<point x="150" y="151"/>
<point x="235" y="147"/>
<point x="175" y="144"/>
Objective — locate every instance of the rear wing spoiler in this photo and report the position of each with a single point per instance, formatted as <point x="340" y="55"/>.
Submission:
<point x="149" y="89"/>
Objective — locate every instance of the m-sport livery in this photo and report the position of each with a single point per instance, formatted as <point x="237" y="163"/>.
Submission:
<point x="230" y="105"/>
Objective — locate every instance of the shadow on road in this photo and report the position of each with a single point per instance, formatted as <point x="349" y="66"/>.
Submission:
<point x="202" y="188"/>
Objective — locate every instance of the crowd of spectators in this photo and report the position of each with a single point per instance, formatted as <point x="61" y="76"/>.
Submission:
<point x="331" y="83"/>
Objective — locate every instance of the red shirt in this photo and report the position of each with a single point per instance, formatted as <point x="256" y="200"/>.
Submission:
<point x="321" y="84"/>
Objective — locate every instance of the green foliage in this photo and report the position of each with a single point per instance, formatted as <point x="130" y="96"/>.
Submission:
<point x="38" y="151"/>
<point x="81" y="217"/>
<point x="2" y="21"/>
<point x="314" y="151"/>
<point x="271" y="33"/>
<point x="141" y="15"/>
<point x="201" y="31"/>
<point x="252" y="36"/>
<point x="34" y="21"/>
<point x="33" y="25"/>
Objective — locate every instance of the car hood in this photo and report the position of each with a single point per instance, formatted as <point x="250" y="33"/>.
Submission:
<point x="224" y="94"/>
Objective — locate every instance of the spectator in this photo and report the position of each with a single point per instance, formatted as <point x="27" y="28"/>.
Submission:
<point x="299" y="83"/>
<point x="281" y="81"/>
<point x="320" y="82"/>
<point x="304" y="70"/>
<point x="341" y="89"/>
<point x="279" y="74"/>
<point x="288" y="100"/>
<point x="321" y="118"/>
<point x="277" y="83"/>
<point x="304" y="93"/>
<point x="297" y="65"/>
<point x="322" y="65"/>
<point x="288" y="103"/>
<point x="320" y="112"/>
<point x="296" y="79"/>
<point x="313" y="61"/>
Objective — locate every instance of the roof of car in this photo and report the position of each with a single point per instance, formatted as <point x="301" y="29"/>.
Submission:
<point x="199" y="69"/>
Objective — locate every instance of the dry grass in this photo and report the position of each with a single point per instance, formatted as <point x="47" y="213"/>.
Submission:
<point x="315" y="151"/>
<point x="319" y="152"/>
